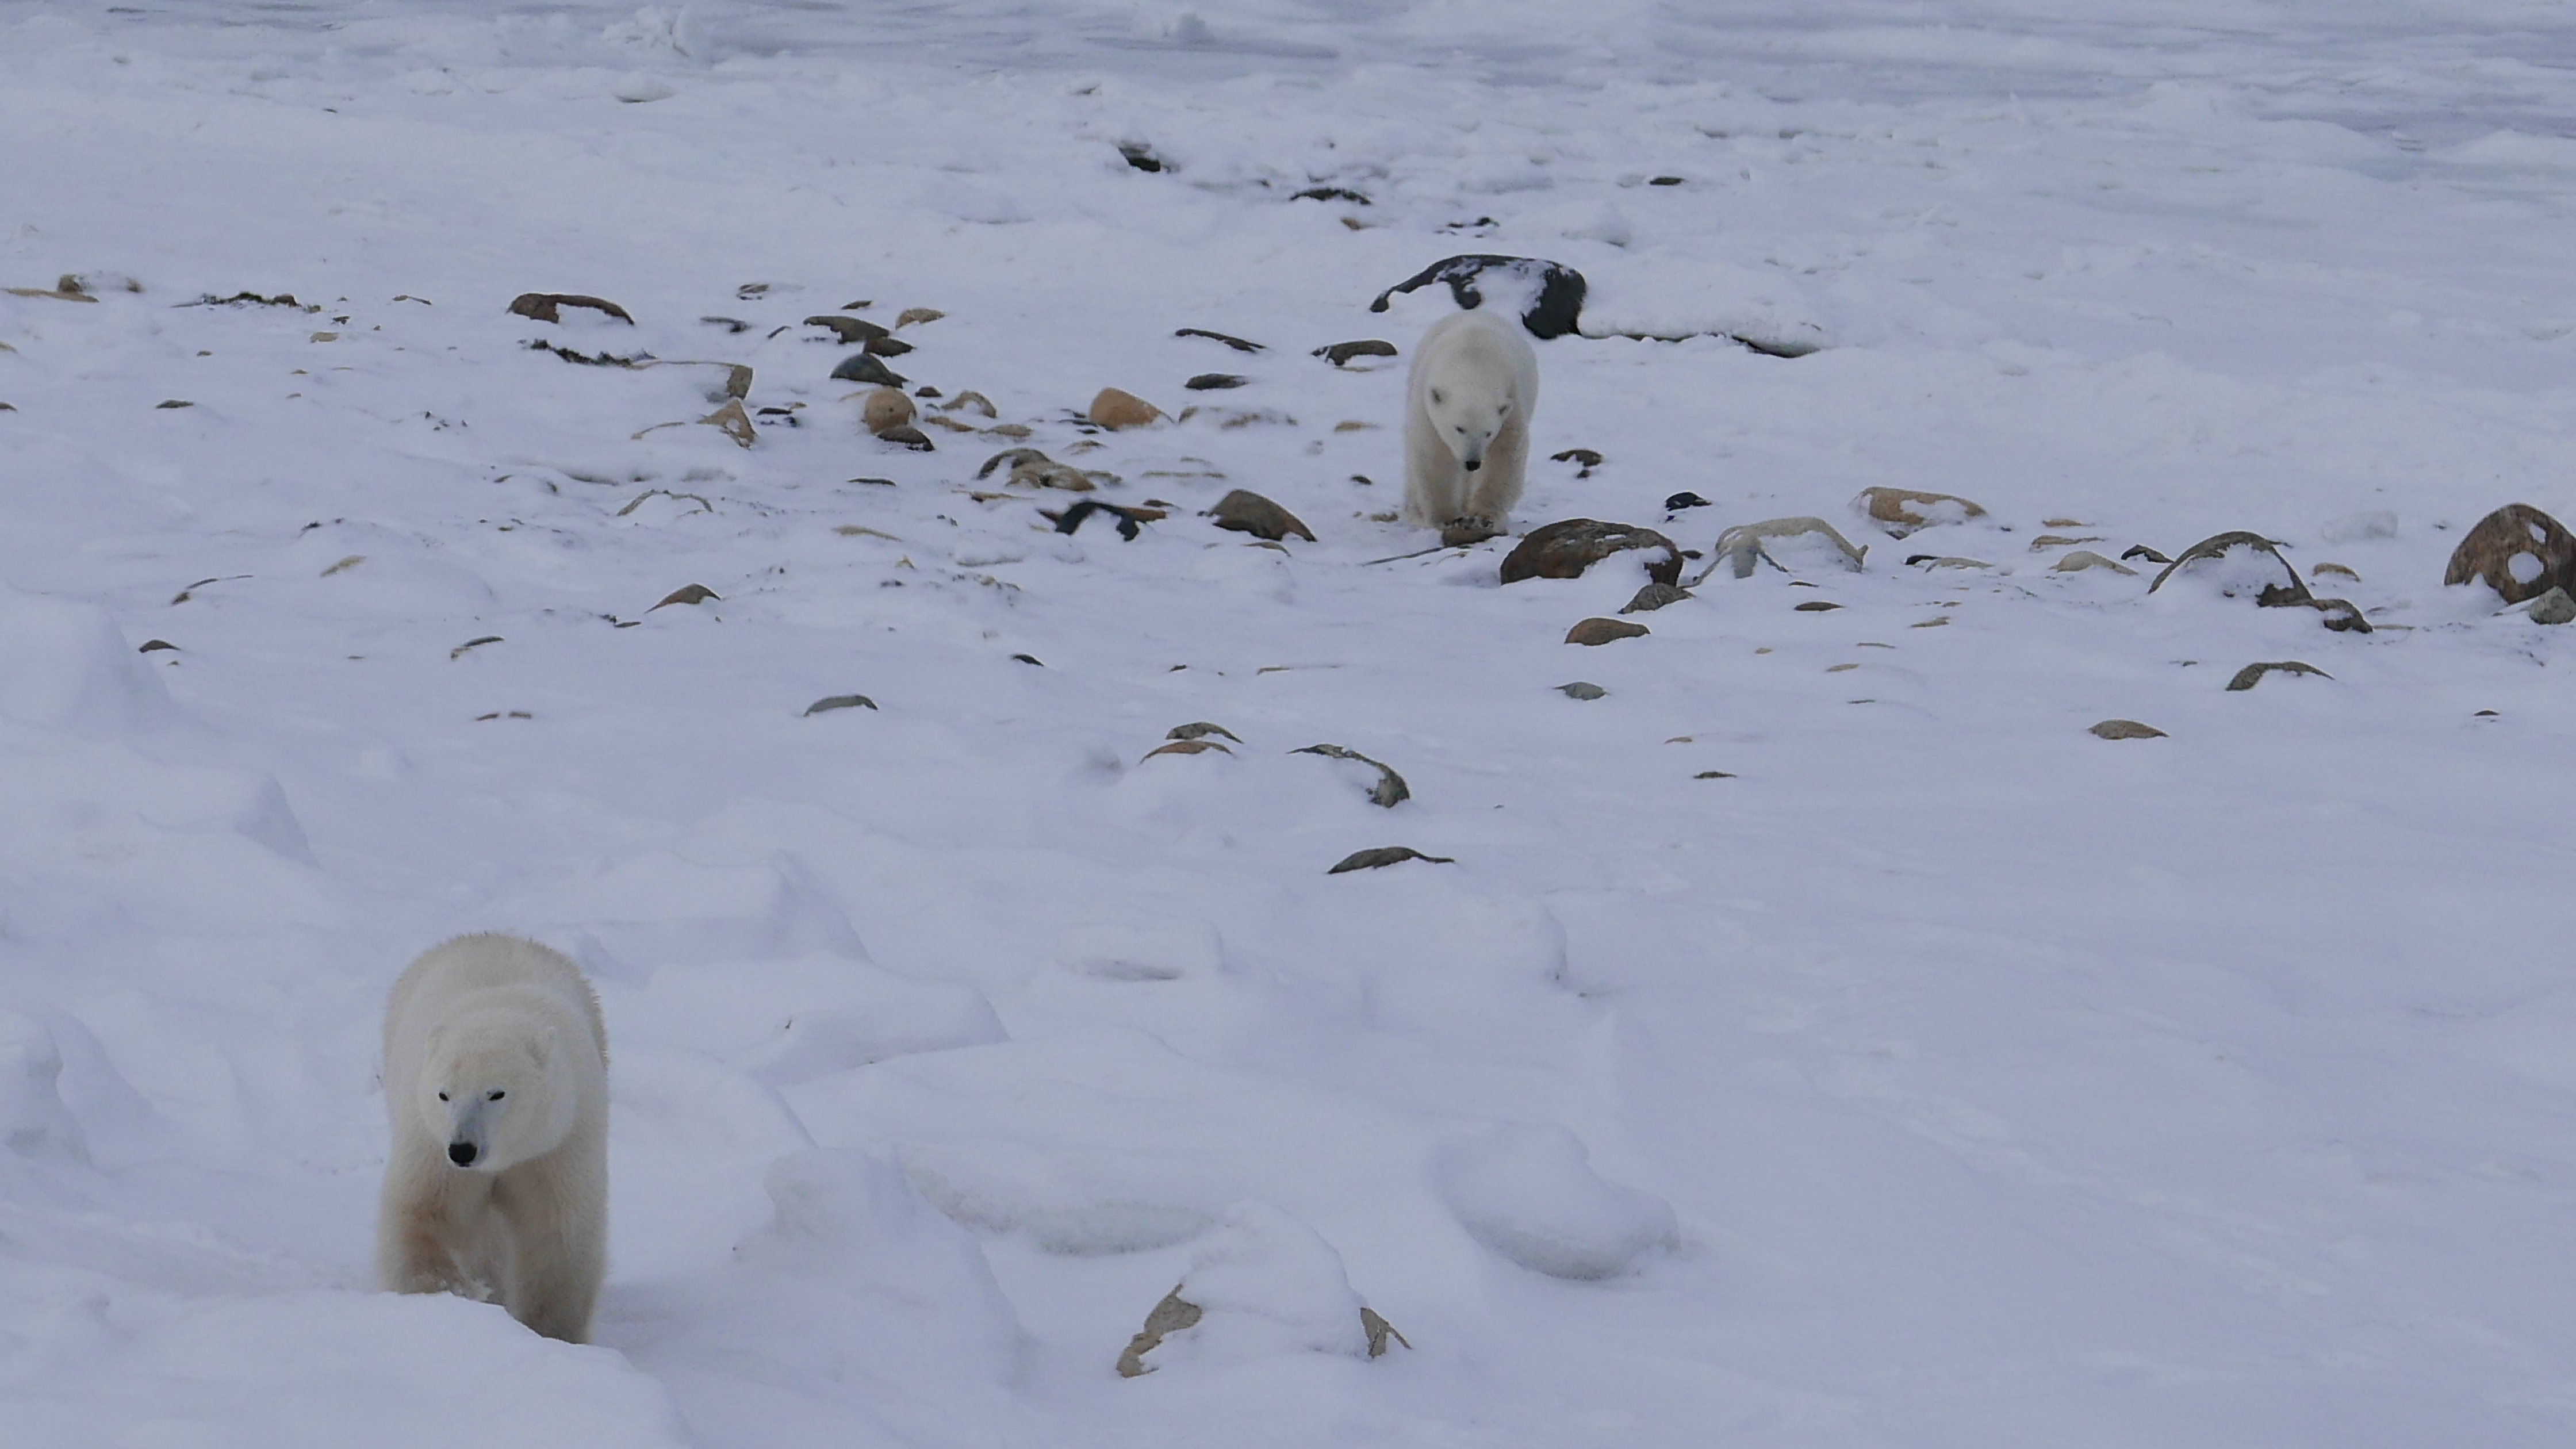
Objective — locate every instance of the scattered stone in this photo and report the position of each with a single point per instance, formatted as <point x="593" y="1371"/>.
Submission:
<point x="1467" y="532"/>
<point x="2554" y="607"/>
<point x="831" y="702"/>
<point x="885" y="407"/>
<point x="1029" y="659"/>
<point x="912" y="315"/>
<point x="1652" y="596"/>
<point x="2063" y="523"/>
<point x="1390" y="790"/>
<point x="2127" y="729"/>
<point x="971" y="401"/>
<point x="1131" y="521"/>
<point x="2048" y="541"/>
<point x="1583" y="459"/>
<point x="1939" y="623"/>
<point x="1680" y="501"/>
<point x="1237" y="343"/>
<point x="2140" y="550"/>
<point x="1215" y="381"/>
<point x="1582" y="689"/>
<point x="908" y="436"/>
<point x="2341" y="615"/>
<point x="150" y="646"/>
<point x="601" y="358"/>
<point x="1713" y="775"/>
<point x="1818" y="606"/>
<point x="2341" y="571"/>
<point x="1386" y="855"/>
<point x="1379" y="1331"/>
<point x="1172" y="1314"/>
<point x="730" y="324"/>
<point x="688" y="594"/>
<point x="1187" y="747"/>
<point x="1114" y="409"/>
<point x="1341" y="353"/>
<point x="169" y="403"/>
<point x="1142" y="157"/>
<point x="1557" y="290"/>
<point x="2085" y="558"/>
<point x="459" y="651"/>
<point x="887" y="347"/>
<point x="734" y="421"/>
<point x="1903" y="510"/>
<point x="1746" y="544"/>
<point x="548" y="306"/>
<point x="344" y="565"/>
<point x="282" y="299"/>
<point x="2518" y="551"/>
<point x="1331" y="193"/>
<point x="2279" y="589"/>
<point x="1598" y="631"/>
<point x="1201" y="730"/>
<point x="860" y="367"/>
<point x="1565" y="549"/>
<point x="848" y="331"/>
<point x="1245" y="511"/>
<point x="2252" y="674"/>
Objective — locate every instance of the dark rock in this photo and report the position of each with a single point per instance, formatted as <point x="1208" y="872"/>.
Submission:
<point x="1390" y="789"/>
<point x="2282" y="592"/>
<point x="831" y="702"/>
<point x="1245" y="511"/>
<point x="2140" y="550"/>
<point x="1131" y="521"/>
<point x="908" y="436"/>
<point x="1663" y="181"/>
<point x="2343" y="616"/>
<point x="1215" y="381"/>
<point x="1340" y="353"/>
<point x="1386" y="855"/>
<point x="1552" y="312"/>
<point x="1603" y="631"/>
<point x="849" y="331"/>
<point x="1200" y="730"/>
<point x="548" y="306"/>
<point x="688" y="594"/>
<point x="1565" y="549"/>
<point x="1818" y="606"/>
<point x="1029" y="659"/>
<point x="860" y="367"/>
<point x="150" y="645"/>
<point x="887" y="347"/>
<point x="2517" y="531"/>
<point x="1330" y="193"/>
<point x="1582" y="689"/>
<point x="1237" y="343"/>
<point x="1653" y="596"/>
<point x="1187" y="747"/>
<point x="2127" y="729"/>
<point x="1680" y="501"/>
<point x="2252" y="674"/>
<point x="1583" y="459"/>
<point x="1142" y="157"/>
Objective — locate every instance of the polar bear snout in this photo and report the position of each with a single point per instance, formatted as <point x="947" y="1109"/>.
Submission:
<point x="1471" y="464"/>
<point x="462" y="1153"/>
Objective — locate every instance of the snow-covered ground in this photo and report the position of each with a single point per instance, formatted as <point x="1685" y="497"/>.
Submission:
<point x="1820" y="1039"/>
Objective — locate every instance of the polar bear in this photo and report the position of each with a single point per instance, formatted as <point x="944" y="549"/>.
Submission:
<point x="1468" y="402"/>
<point x="496" y="1076"/>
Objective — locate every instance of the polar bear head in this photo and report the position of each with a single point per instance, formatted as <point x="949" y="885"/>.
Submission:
<point x="1468" y="414"/>
<point x="497" y="1092"/>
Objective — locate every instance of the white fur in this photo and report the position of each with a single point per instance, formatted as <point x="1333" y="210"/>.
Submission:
<point x="494" y="1049"/>
<point x="1468" y="400"/>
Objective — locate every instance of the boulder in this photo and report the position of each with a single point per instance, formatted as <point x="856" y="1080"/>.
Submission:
<point x="2518" y="551"/>
<point x="1564" y="550"/>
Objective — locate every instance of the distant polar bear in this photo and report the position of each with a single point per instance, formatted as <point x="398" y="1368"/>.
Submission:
<point x="1468" y="402"/>
<point x="496" y="1075"/>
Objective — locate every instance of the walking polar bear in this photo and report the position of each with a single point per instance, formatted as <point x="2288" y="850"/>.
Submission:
<point x="1468" y="402"/>
<point x="496" y="1076"/>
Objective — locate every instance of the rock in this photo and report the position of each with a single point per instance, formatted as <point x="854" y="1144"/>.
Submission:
<point x="1652" y="596"/>
<point x="2518" y="551"/>
<point x="1583" y="459"/>
<point x="1341" y="353"/>
<point x="150" y="646"/>
<point x="1713" y="775"/>
<point x="1385" y="855"/>
<point x="1379" y="1331"/>
<point x="2554" y="607"/>
<point x="2341" y="615"/>
<point x="1563" y="550"/>
<point x="734" y="421"/>
<point x="2047" y="541"/>
<point x="971" y="401"/>
<point x="1013" y="459"/>
<point x="1131" y="521"/>
<point x="860" y="367"/>
<point x="2341" y="571"/>
<point x="1215" y="381"/>
<point x="2252" y="674"/>
<point x="1390" y="789"/>
<point x="1582" y="689"/>
<point x="885" y="407"/>
<point x="1187" y="747"/>
<point x="548" y="306"/>
<point x="1245" y="511"/>
<point x="1680" y="501"/>
<point x="1142" y="157"/>
<point x="1331" y="193"/>
<point x="1602" y="631"/>
<point x="1748" y="543"/>
<point x="2085" y="558"/>
<point x="1465" y="532"/>
<point x="1200" y="730"/>
<point x="1115" y="409"/>
<point x="906" y="435"/>
<point x="850" y="331"/>
<point x="831" y="702"/>
<point x="1903" y="510"/>
<point x="1167" y="1317"/>
<point x="1818" y="606"/>
<point x="2140" y="550"/>
<point x="1556" y="291"/>
<point x="1237" y="343"/>
<point x="2259" y="570"/>
<point x="887" y="347"/>
<point x="2354" y="527"/>
<point x="2127" y="729"/>
<point x="913" y="315"/>
<point x="688" y="594"/>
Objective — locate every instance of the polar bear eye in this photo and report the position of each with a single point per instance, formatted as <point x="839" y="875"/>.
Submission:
<point x="496" y="1096"/>
<point x="442" y="1096"/>
<point x="1436" y="398"/>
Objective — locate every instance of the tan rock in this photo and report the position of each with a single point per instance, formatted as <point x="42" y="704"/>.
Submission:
<point x="885" y="407"/>
<point x="2518" y="551"/>
<point x="1563" y="550"/>
<point x="1245" y="511"/>
<point x="2085" y="558"/>
<point x="1115" y="409"/>
<point x="1602" y="631"/>
<point x="1903" y="510"/>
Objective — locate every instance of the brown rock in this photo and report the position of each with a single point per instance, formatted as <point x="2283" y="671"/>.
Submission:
<point x="912" y="315"/>
<point x="1245" y="511"/>
<point x="2127" y="729"/>
<point x="1168" y="1317"/>
<point x="1651" y="597"/>
<point x="1115" y="409"/>
<point x="1565" y="549"/>
<point x="906" y="435"/>
<point x="1466" y="532"/>
<point x="885" y="407"/>
<point x="1903" y="510"/>
<point x="1390" y="789"/>
<point x="548" y="306"/>
<point x="1201" y="730"/>
<point x="2252" y="674"/>
<point x="1602" y="631"/>
<point x="857" y="331"/>
<point x="1341" y="353"/>
<point x="688" y="594"/>
<point x="735" y="422"/>
<point x="1187" y="747"/>
<point x="2281" y="591"/>
<point x="2518" y="551"/>
<point x="1385" y="855"/>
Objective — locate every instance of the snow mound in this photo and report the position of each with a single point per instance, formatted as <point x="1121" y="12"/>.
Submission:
<point x="1530" y="1194"/>
<point x="1142" y="951"/>
<point x="660" y="908"/>
<point x="66" y="665"/>
<point x="1656" y="298"/>
<point x="1266" y="1285"/>
<point x="33" y="1120"/>
<point x="1079" y="1204"/>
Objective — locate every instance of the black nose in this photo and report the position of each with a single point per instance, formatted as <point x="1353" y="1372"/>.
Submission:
<point x="1473" y="466"/>
<point x="461" y="1153"/>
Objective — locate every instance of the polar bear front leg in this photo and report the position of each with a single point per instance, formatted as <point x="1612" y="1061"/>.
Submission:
<point x="1494" y="490"/>
<point x="417" y="1232"/>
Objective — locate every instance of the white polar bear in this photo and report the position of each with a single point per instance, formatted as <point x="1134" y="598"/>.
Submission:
<point x="1468" y="402"/>
<point x="496" y="1074"/>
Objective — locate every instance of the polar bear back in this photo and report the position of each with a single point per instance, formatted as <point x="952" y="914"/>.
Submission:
<point x="446" y="976"/>
<point x="1479" y="349"/>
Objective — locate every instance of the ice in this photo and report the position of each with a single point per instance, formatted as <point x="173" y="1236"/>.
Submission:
<point x="1530" y="1194"/>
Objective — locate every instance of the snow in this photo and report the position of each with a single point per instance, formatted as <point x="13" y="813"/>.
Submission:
<point x="1819" y="1038"/>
